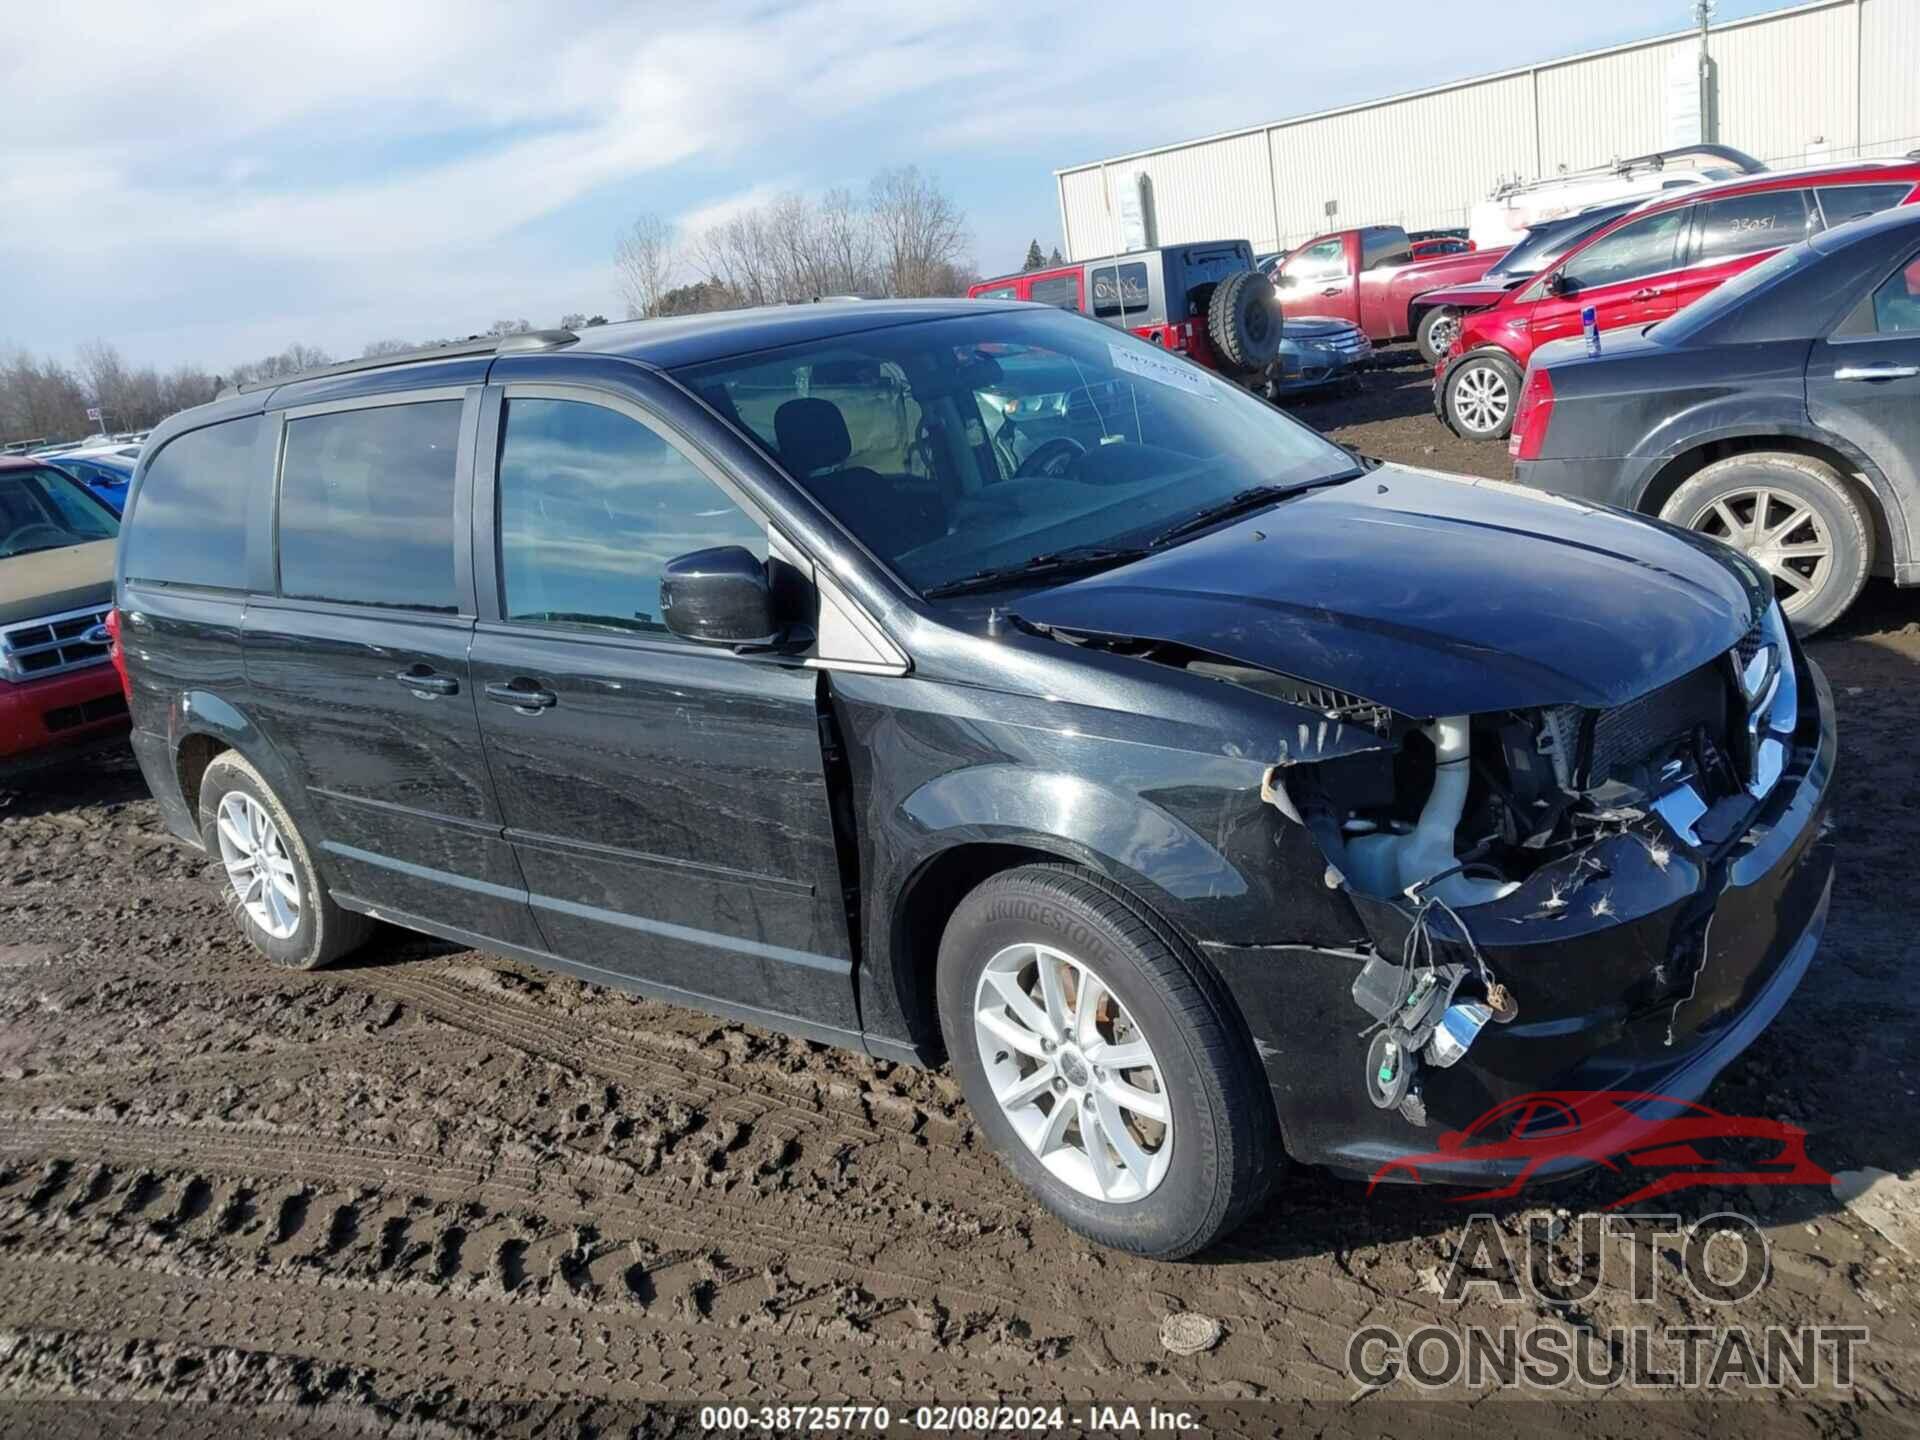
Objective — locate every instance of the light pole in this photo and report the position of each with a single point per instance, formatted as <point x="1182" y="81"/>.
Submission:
<point x="1703" y="12"/>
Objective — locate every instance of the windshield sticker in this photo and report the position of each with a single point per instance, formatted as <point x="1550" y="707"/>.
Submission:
<point x="1162" y="372"/>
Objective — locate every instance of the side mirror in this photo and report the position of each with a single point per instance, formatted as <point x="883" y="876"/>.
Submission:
<point x="721" y="596"/>
<point x="1558" y="284"/>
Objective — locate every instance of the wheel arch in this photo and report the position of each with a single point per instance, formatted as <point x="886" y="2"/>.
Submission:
<point x="204" y="726"/>
<point x="1667" y="473"/>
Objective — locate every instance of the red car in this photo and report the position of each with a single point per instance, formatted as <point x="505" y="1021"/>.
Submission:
<point x="1445" y="245"/>
<point x="1645" y="266"/>
<point x="59" y="693"/>
<point x="1554" y="1133"/>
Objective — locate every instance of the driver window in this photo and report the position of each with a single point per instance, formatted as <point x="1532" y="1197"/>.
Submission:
<point x="1324" y="261"/>
<point x="592" y="506"/>
<point x="1645" y="247"/>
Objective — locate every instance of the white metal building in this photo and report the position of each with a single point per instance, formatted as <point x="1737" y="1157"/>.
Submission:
<point x="1828" y="80"/>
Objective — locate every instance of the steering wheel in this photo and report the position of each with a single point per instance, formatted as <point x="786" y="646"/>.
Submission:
<point x="6" y="545"/>
<point x="1052" y="458"/>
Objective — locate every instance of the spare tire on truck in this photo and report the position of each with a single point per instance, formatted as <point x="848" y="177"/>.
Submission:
<point x="1243" y="322"/>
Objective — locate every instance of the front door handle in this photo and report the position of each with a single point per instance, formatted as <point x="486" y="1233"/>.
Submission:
<point x="1652" y="292"/>
<point x="522" y="694"/>
<point x="1331" y="291"/>
<point x="428" y="681"/>
<point x="1876" y="372"/>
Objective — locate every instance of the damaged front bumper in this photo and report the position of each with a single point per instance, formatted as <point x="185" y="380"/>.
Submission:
<point x="1641" y="964"/>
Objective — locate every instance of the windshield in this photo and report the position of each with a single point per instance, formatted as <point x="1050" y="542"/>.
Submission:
<point x="955" y="446"/>
<point x="43" y="510"/>
<point x="1731" y="295"/>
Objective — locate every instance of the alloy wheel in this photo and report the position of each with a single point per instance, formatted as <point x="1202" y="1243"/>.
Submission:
<point x="1442" y="333"/>
<point x="1073" y="1073"/>
<point x="259" y="868"/>
<point x="1482" y="398"/>
<point x="1778" y="532"/>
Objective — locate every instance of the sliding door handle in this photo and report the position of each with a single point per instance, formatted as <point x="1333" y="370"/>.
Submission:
<point x="1876" y="372"/>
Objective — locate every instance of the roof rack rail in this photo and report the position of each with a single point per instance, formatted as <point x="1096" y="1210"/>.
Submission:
<point x="1654" y="163"/>
<point x="525" y="342"/>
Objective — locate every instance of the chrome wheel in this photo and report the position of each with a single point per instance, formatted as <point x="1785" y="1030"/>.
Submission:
<point x="1442" y="333"/>
<point x="1481" y="399"/>
<point x="1073" y="1074"/>
<point x="259" y="868"/>
<point x="1781" y="534"/>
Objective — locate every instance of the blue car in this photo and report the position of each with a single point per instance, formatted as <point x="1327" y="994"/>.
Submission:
<point x="107" y="476"/>
<point x="1317" y="352"/>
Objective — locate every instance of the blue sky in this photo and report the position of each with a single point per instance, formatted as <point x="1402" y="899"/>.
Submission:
<point x="213" y="180"/>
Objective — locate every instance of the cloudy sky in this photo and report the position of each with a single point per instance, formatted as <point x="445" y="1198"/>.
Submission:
<point x="211" y="180"/>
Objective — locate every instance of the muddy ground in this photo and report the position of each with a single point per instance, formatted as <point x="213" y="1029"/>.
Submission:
<point x="441" y="1191"/>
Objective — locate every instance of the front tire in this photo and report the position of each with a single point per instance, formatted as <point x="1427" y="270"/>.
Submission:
<point x="1438" y="329"/>
<point x="1480" y="395"/>
<point x="1106" y="1068"/>
<point x="270" y="884"/>
<point x="1795" y="518"/>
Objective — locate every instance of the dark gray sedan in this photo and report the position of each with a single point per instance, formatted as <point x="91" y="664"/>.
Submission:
<point x="1780" y="414"/>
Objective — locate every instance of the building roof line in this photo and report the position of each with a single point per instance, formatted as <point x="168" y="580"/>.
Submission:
<point x="1379" y="102"/>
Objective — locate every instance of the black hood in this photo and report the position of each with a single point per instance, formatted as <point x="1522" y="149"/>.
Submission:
<point x="1434" y="595"/>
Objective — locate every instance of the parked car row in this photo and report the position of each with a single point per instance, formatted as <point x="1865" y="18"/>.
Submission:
<point x="1807" y="463"/>
<point x="1210" y="302"/>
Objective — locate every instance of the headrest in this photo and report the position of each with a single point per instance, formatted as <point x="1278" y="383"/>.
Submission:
<point x="811" y="434"/>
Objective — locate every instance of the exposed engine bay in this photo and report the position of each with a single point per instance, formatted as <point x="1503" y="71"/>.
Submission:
<point x="1431" y="818"/>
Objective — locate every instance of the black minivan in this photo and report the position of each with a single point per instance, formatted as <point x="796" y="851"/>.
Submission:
<point x="971" y="682"/>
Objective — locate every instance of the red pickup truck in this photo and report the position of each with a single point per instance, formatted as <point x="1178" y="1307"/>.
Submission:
<point x="1369" y="276"/>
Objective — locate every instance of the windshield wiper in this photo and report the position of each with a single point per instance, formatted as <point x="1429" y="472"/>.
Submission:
<point x="1054" y="562"/>
<point x="1241" y="502"/>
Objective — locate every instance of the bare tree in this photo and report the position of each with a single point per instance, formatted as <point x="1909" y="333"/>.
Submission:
<point x="290" y="361"/>
<point x="509" y="327"/>
<point x="645" y="260"/>
<point x="920" y="233"/>
<point x="846" y="242"/>
<point x="375" y="349"/>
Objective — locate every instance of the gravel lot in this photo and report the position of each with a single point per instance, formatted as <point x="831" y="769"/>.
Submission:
<point x="438" y="1191"/>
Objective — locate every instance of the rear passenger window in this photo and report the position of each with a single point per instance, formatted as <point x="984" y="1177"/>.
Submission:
<point x="189" y="526"/>
<point x="1061" y="290"/>
<point x="1896" y="304"/>
<point x="1121" y="291"/>
<point x="366" y="506"/>
<point x="999" y="292"/>
<point x="1841" y="203"/>
<point x="1746" y="223"/>
<point x="593" y="505"/>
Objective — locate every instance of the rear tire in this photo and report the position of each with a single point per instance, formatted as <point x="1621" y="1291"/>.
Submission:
<point x="1437" y="331"/>
<point x="1244" y="321"/>
<point x="1482" y="390"/>
<point x="1794" y="517"/>
<point x="277" y="897"/>
<point x="1165" y="1189"/>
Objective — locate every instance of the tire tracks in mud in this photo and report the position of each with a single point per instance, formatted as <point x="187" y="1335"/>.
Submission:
<point x="412" y="1256"/>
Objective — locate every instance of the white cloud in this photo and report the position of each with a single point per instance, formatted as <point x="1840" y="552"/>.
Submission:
<point x="208" y="174"/>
